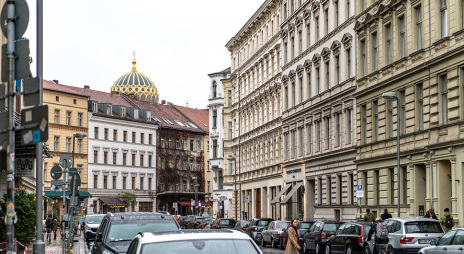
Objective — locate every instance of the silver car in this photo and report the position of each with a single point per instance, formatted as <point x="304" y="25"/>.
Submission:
<point x="224" y="241"/>
<point x="272" y="234"/>
<point x="451" y="243"/>
<point x="409" y="235"/>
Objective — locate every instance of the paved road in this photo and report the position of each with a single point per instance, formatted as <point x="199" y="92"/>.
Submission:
<point x="271" y="250"/>
<point x="57" y="245"/>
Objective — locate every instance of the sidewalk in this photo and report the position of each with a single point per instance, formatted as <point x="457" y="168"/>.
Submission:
<point x="57" y="246"/>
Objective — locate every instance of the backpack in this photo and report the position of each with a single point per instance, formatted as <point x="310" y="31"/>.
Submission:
<point x="448" y="222"/>
<point x="381" y="230"/>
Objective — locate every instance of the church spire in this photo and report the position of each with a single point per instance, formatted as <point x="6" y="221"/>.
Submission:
<point x="134" y="69"/>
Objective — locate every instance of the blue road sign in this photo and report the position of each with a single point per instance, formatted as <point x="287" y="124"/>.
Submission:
<point x="36" y="136"/>
<point x="360" y="187"/>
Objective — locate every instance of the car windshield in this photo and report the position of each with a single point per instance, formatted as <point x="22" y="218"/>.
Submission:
<point x="94" y="219"/>
<point x="263" y="223"/>
<point x="331" y="227"/>
<point x="226" y="223"/>
<point x="281" y="225"/>
<point x="305" y="225"/>
<point x="213" y="246"/>
<point x="423" y="227"/>
<point x="127" y="230"/>
<point x="446" y="238"/>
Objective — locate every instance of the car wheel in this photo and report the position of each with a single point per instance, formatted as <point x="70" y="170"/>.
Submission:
<point x="367" y="250"/>
<point x="263" y="243"/>
<point x="318" y="248"/>
<point x="348" y="249"/>
<point x="280" y="244"/>
<point x="327" y="249"/>
<point x="305" y="249"/>
<point x="273" y="243"/>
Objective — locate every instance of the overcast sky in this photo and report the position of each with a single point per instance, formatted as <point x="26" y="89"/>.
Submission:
<point x="177" y="43"/>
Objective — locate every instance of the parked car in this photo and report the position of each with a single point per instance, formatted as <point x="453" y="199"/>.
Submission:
<point x="224" y="241"/>
<point x="452" y="242"/>
<point x="204" y="223"/>
<point x="183" y="221"/>
<point x="302" y="228"/>
<point x="350" y="238"/>
<point x="242" y="225"/>
<point x="117" y="230"/>
<point x="194" y="222"/>
<point x="315" y="238"/>
<point x="188" y="222"/>
<point x="256" y="226"/>
<point x="91" y="224"/>
<point x="412" y="234"/>
<point x="222" y="223"/>
<point x="272" y="234"/>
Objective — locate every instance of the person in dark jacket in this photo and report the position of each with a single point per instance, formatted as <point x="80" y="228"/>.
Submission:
<point x="373" y="231"/>
<point x="385" y="215"/>
<point x="431" y="214"/>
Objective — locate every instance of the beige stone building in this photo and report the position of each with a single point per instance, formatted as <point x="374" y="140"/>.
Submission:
<point x="256" y="110"/>
<point x="318" y="82"/>
<point x="415" y="50"/>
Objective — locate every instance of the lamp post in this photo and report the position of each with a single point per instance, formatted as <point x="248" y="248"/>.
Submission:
<point x="235" y="182"/>
<point x="394" y="96"/>
<point x="196" y="194"/>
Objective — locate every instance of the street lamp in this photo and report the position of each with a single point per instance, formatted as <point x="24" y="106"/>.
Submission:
<point x="393" y="96"/>
<point x="230" y="159"/>
<point x="196" y="194"/>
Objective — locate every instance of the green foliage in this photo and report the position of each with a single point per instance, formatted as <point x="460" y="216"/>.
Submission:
<point x="25" y="210"/>
<point x="128" y="198"/>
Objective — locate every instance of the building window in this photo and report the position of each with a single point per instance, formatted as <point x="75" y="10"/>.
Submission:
<point x="68" y="117"/>
<point x="301" y="89"/>
<point x="286" y="98"/>
<point x="318" y="136"/>
<point x="327" y="75"/>
<point x="221" y="180"/>
<point x="114" y="157"/>
<point x="124" y="159"/>
<point x="150" y="139"/>
<point x="124" y="182"/>
<point x="347" y="9"/>
<point x="133" y="183"/>
<point x="402" y="37"/>
<point x="375" y="113"/>
<point x="309" y="137"/>
<point x="79" y="119"/>
<point x="95" y="181"/>
<point x="68" y="145"/>
<point x="293" y="94"/>
<point x="348" y="126"/>
<point x="363" y="57"/>
<point x="327" y="133"/>
<point x="149" y="184"/>
<point x="292" y="52"/>
<point x="443" y="19"/>
<point x="115" y="135"/>
<point x="124" y="137"/>
<point x="142" y="138"/>
<point x="105" y="182"/>
<point x="336" y="14"/>
<point x="79" y="145"/>
<point x="317" y="28"/>
<point x="141" y="160"/>
<point x="114" y="182"/>
<point x="326" y="26"/>
<point x="214" y="118"/>
<point x="300" y="42"/>
<point x="229" y="98"/>
<point x="444" y="98"/>
<point x="337" y="70"/>
<point x="390" y="118"/>
<point x="300" y="131"/>
<point x="318" y="79"/>
<point x="214" y="89"/>
<point x="133" y="137"/>
<point x="388" y="44"/>
<point x="285" y="11"/>
<point x="133" y="159"/>
<point x="191" y="145"/>
<point x="57" y="116"/>
<point x="308" y="35"/>
<point x="230" y="130"/>
<point x="162" y="163"/>
<point x="95" y="156"/>
<point x="374" y="51"/>
<point x="348" y="63"/>
<point x="96" y="132"/>
<point x="329" y="191"/>
<point x="363" y="125"/>
<point x="308" y="77"/>
<point x="198" y="146"/>
<point x="418" y="27"/>
<point x="294" y="145"/>
<point x="207" y="186"/>
<point x="56" y="143"/>
<point x="149" y="161"/>
<point x="286" y="146"/>
<point x="285" y="53"/>
<point x="420" y="106"/>
<point x="403" y="112"/>
<point x="106" y="133"/>
<point x="337" y="130"/>
<point x="105" y="157"/>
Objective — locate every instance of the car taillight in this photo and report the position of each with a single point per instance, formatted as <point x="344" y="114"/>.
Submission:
<point x="204" y="225"/>
<point x="195" y="223"/>
<point x="244" y="229"/>
<point x="255" y="228"/>
<point x="360" y="238"/>
<point x="278" y="235"/>
<point x="217" y="225"/>
<point x="323" y="235"/>
<point x="404" y="240"/>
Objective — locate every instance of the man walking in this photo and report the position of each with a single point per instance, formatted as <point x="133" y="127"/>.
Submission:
<point x="447" y="221"/>
<point x="385" y="215"/>
<point x="369" y="217"/>
<point x="379" y="228"/>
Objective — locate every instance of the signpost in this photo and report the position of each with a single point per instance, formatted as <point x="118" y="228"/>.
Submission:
<point x="360" y="195"/>
<point x="25" y="167"/>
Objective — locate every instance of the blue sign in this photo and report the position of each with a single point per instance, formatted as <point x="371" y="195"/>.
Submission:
<point x="360" y="187"/>
<point x="36" y="135"/>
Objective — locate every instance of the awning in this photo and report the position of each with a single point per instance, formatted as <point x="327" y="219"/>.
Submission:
<point x="184" y="202"/>
<point x="112" y="201"/>
<point x="59" y="194"/>
<point x="291" y="193"/>
<point x="277" y="197"/>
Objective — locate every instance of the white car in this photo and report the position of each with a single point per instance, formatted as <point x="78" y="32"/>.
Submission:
<point x="450" y="243"/>
<point x="223" y="241"/>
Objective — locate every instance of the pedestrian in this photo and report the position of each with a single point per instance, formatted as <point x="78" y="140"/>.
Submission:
<point x="293" y="241"/>
<point x="369" y="217"/>
<point x="56" y="225"/>
<point x="380" y="232"/>
<point x="431" y="214"/>
<point x="385" y="215"/>
<point x="447" y="221"/>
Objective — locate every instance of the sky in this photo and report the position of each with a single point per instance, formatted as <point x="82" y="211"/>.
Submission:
<point x="177" y="42"/>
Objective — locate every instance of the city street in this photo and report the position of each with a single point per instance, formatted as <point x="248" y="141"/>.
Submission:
<point x="271" y="250"/>
<point x="57" y="245"/>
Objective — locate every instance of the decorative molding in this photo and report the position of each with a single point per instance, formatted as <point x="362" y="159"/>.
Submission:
<point x="316" y="60"/>
<point x="325" y="54"/>
<point x="299" y="70"/>
<point x="307" y="65"/>
<point x="307" y="15"/>
<point x="292" y="75"/>
<point x="336" y="45"/>
<point x="347" y="40"/>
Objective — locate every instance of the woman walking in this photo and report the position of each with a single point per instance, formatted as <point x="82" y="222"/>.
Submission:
<point x="293" y="241"/>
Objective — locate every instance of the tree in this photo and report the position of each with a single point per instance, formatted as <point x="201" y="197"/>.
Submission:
<point x="128" y="198"/>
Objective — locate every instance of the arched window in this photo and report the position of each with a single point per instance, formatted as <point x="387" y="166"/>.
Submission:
<point x="214" y="89"/>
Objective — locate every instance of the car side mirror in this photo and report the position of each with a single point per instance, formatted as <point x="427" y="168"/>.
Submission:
<point x="433" y="243"/>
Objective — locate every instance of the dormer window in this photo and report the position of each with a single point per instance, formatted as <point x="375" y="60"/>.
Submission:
<point x="95" y="107"/>
<point x="123" y="112"/>
<point x="214" y="89"/>
<point x="148" y="116"/>
<point x="109" y="110"/>
<point x="136" y="114"/>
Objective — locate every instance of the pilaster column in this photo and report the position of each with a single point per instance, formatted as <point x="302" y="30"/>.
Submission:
<point x="428" y="187"/>
<point x="454" y="200"/>
<point x="434" y="181"/>
<point x="412" y="198"/>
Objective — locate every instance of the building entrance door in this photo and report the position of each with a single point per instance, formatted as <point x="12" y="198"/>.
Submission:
<point x="258" y="203"/>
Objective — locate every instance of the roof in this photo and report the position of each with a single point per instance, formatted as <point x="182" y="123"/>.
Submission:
<point x="408" y="219"/>
<point x="194" y="234"/>
<point x="48" y="85"/>
<point x="198" y="116"/>
<point x="225" y="71"/>
<point x="137" y="216"/>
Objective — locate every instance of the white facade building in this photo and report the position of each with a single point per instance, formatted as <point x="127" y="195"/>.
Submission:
<point x="222" y="195"/>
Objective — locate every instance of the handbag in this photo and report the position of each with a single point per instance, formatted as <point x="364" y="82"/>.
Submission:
<point x="284" y="244"/>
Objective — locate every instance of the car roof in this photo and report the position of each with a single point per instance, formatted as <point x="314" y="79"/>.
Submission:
<point x="409" y="219"/>
<point x="137" y="216"/>
<point x="193" y="234"/>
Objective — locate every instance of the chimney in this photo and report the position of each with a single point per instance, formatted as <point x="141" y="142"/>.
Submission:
<point x="86" y="87"/>
<point x="56" y="81"/>
<point x="163" y="102"/>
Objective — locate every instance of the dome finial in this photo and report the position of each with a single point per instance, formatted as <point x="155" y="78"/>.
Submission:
<point x="187" y="103"/>
<point x="134" y="69"/>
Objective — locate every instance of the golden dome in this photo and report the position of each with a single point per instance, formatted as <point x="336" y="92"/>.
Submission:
<point x="137" y="84"/>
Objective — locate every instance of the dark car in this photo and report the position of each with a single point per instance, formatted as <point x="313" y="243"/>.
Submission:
<point x="194" y="222"/>
<point x="91" y="224"/>
<point x="242" y="225"/>
<point x="303" y="227"/>
<point x="187" y="221"/>
<point x="117" y="230"/>
<point x="256" y="226"/>
<point x="350" y="238"/>
<point x="223" y="223"/>
<point x="316" y="237"/>
<point x="204" y="223"/>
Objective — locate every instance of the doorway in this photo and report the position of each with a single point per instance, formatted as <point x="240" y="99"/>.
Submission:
<point x="444" y="185"/>
<point x="258" y="203"/>
<point x="420" y="189"/>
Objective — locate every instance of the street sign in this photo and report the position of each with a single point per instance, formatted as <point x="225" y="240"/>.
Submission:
<point x="360" y="192"/>
<point x="35" y="122"/>
<point x="174" y="205"/>
<point x="31" y="87"/>
<point x="77" y="186"/>
<point x="56" y="185"/>
<point x="56" y="172"/>
<point x="25" y="167"/>
<point x="247" y="198"/>
<point x="22" y="62"/>
<point x="65" y="161"/>
<point x="21" y="21"/>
